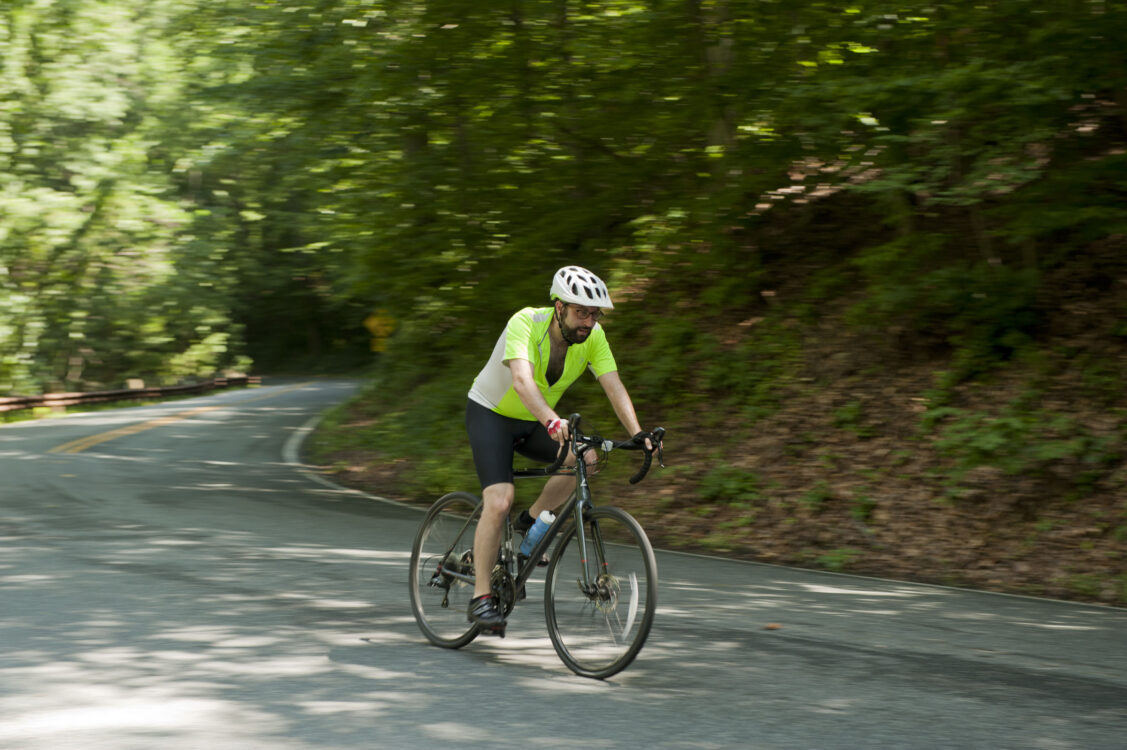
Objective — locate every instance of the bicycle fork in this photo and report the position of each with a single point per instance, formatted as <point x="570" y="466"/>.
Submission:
<point x="588" y="584"/>
<point x="597" y="583"/>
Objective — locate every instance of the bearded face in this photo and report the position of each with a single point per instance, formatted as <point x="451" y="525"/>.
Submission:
<point x="576" y="321"/>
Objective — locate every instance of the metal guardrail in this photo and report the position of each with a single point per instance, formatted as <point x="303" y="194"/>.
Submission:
<point x="62" y="400"/>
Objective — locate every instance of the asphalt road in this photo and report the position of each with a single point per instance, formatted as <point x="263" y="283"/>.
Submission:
<point x="171" y="578"/>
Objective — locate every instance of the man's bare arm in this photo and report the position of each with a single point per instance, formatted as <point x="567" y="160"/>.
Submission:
<point x="524" y="382"/>
<point x="621" y="402"/>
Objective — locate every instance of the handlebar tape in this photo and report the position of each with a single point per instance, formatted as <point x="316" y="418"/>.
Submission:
<point x="655" y="438"/>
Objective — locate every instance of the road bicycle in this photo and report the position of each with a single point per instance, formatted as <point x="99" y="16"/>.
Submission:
<point x="600" y="588"/>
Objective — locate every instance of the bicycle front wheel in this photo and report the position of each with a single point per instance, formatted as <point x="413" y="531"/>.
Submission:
<point x="441" y="568"/>
<point x="601" y="593"/>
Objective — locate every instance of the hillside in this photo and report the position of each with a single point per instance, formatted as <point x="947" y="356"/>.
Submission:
<point x="870" y="458"/>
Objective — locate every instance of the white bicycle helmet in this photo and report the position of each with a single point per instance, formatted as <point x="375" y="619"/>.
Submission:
<point x="579" y="286"/>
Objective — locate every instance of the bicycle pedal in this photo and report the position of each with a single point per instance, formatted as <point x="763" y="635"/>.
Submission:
<point x="498" y="631"/>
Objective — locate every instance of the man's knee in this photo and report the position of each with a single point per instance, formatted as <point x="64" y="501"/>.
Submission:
<point x="498" y="497"/>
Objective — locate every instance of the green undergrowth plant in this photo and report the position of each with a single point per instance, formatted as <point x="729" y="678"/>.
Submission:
<point x="730" y="485"/>
<point x="851" y="417"/>
<point x="839" y="559"/>
<point x="1022" y="440"/>
<point x="816" y="496"/>
<point x="983" y="312"/>
<point x="751" y="376"/>
<point x="861" y="509"/>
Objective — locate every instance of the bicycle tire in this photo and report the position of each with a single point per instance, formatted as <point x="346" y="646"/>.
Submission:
<point x="598" y="633"/>
<point x="440" y="601"/>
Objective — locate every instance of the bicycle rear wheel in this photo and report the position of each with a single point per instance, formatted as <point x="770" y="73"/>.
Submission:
<point x="599" y="627"/>
<point x="441" y="570"/>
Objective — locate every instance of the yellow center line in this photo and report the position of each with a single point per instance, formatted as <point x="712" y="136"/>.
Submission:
<point x="77" y="446"/>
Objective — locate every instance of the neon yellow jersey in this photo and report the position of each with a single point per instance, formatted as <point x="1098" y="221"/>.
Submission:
<point x="526" y="337"/>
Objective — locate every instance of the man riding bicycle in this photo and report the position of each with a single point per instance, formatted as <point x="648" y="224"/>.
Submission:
<point x="511" y="408"/>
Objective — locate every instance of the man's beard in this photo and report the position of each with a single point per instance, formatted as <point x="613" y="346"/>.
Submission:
<point x="575" y="335"/>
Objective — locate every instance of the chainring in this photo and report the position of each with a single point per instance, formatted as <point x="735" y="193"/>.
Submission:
<point x="504" y="588"/>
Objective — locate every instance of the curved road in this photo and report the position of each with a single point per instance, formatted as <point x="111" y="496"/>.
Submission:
<point x="171" y="578"/>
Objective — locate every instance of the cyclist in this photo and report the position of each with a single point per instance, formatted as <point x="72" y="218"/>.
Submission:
<point x="510" y="408"/>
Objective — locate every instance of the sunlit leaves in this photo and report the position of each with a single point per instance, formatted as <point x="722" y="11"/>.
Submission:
<point x="89" y="232"/>
<point x="281" y="169"/>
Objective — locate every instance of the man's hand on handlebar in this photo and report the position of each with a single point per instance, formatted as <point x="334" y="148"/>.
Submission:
<point x="650" y="440"/>
<point x="559" y="430"/>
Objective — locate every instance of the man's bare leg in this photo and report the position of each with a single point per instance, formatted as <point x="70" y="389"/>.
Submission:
<point x="557" y="489"/>
<point x="498" y="500"/>
<point x="554" y="494"/>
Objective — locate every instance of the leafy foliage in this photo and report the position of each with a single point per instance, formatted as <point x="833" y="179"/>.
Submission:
<point x="192" y="185"/>
<point x="1021" y="441"/>
<point x="98" y="277"/>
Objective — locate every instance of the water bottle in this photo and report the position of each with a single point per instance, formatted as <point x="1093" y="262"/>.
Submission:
<point x="543" y="521"/>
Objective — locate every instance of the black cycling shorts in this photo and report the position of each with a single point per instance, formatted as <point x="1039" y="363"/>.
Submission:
<point x="495" y="438"/>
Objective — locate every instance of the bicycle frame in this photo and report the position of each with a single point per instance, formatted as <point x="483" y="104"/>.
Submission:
<point x="577" y="502"/>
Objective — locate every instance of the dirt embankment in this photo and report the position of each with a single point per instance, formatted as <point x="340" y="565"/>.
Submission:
<point x="1016" y="482"/>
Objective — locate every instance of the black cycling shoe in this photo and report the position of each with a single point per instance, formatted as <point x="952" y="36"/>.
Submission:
<point x="483" y="611"/>
<point x="523" y="522"/>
